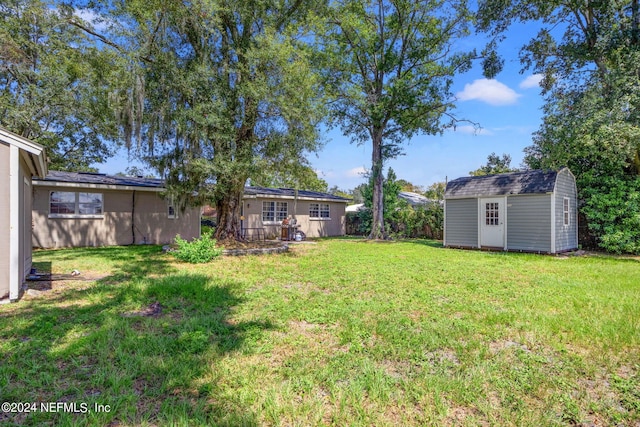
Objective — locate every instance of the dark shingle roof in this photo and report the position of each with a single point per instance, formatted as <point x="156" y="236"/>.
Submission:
<point x="102" y="179"/>
<point x="290" y="192"/>
<point x="527" y="182"/>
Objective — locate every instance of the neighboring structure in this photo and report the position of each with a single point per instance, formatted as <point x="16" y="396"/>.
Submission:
<point x="317" y="214"/>
<point x="531" y="211"/>
<point x="413" y="199"/>
<point x="92" y="209"/>
<point x="20" y="159"/>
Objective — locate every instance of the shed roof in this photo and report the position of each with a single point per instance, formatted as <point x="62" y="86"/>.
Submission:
<point x="290" y="193"/>
<point x="33" y="153"/>
<point x="527" y="182"/>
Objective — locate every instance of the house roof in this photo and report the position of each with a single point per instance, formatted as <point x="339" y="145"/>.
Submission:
<point x="34" y="154"/>
<point x="289" y="193"/>
<point x="527" y="182"/>
<point x="100" y="180"/>
<point x="414" y="199"/>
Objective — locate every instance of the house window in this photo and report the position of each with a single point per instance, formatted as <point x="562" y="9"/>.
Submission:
<point x="274" y="211"/>
<point x="492" y="214"/>
<point x="171" y="209"/>
<point x="319" y="210"/>
<point x="72" y="204"/>
<point x="566" y="205"/>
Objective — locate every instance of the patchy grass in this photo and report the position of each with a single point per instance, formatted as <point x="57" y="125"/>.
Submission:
<point x="343" y="332"/>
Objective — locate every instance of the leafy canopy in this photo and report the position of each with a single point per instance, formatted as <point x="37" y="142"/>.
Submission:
<point x="54" y="84"/>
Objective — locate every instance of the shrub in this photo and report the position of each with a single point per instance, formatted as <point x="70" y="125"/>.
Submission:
<point x="199" y="250"/>
<point x="613" y="212"/>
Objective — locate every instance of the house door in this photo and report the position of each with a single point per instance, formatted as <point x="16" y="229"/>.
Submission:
<point x="492" y="222"/>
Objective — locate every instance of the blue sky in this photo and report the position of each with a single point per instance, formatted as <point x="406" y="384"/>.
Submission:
<point x="507" y="108"/>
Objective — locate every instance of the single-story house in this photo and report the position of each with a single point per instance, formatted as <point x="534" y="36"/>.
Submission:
<point x="317" y="214"/>
<point x="530" y="211"/>
<point x="20" y="159"/>
<point x="74" y="209"/>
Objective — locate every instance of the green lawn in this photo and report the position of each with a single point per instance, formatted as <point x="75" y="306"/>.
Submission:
<point x="344" y="332"/>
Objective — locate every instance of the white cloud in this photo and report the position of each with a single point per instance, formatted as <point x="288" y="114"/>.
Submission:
<point x="472" y="130"/>
<point x="92" y="18"/>
<point x="531" y="81"/>
<point x="490" y="91"/>
<point x="356" y="172"/>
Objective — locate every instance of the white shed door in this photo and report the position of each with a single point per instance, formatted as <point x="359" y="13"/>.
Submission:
<point x="492" y="222"/>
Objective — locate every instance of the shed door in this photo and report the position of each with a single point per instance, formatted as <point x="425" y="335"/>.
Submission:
<point x="492" y="222"/>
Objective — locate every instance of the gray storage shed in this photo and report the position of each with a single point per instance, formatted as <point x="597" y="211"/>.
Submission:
<point x="530" y="211"/>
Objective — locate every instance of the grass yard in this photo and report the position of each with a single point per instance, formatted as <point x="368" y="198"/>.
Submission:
<point x="344" y="332"/>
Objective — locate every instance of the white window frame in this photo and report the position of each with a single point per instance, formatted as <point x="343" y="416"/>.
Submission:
<point x="172" y="212"/>
<point x="566" y="211"/>
<point x="275" y="211"/>
<point x="77" y="203"/>
<point x="319" y="211"/>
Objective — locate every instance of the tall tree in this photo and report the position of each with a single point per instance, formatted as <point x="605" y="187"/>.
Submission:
<point x="495" y="164"/>
<point x="217" y="89"/>
<point x="52" y="85"/>
<point x="589" y="53"/>
<point x="298" y="176"/>
<point x="393" y="63"/>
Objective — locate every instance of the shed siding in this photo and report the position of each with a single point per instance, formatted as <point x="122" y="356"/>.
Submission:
<point x="529" y="223"/>
<point x="462" y="222"/>
<point x="566" y="236"/>
<point x="115" y="228"/>
<point x="4" y="218"/>
<point x="26" y="200"/>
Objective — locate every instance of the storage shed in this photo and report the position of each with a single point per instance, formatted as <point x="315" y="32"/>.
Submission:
<point x="20" y="160"/>
<point x="530" y="211"/>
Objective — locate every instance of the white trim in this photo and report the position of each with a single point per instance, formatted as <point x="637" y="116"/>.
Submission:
<point x="313" y="218"/>
<point x="171" y="205"/>
<point x="74" y="216"/>
<point x="480" y="217"/>
<point x="553" y="222"/>
<point x="567" y="223"/>
<point x="40" y="183"/>
<point x="77" y="214"/>
<point x="504" y="230"/>
<point x="14" y="222"/>
<point x="502" y="218"/>
<point x="444" y="223"/>
<point x="28" y="146"/>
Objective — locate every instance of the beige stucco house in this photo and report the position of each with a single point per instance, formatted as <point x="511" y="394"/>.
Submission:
<point x="20" y="159"/>
<point x="91" y="209"/>
<point x="317" y="214"/>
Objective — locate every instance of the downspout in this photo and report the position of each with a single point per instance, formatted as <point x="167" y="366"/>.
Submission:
<point x="133" y="220"/>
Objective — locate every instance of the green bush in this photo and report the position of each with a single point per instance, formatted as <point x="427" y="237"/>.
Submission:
<point x="613" y="211"/>
<point x="199" y="250"/>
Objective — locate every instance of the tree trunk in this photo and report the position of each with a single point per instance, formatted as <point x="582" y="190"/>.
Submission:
<point x="228" y="209"/>
<point x="377" y="225"/>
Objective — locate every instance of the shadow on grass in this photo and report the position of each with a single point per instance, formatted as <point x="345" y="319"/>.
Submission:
<point x="104" y="345"/>
<point x="124" y="262"/>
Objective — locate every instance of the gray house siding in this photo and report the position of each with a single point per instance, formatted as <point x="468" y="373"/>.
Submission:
<point x="461" y="228"/>
<point x="566" y="236"/>
<point x="529" y="223"/>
